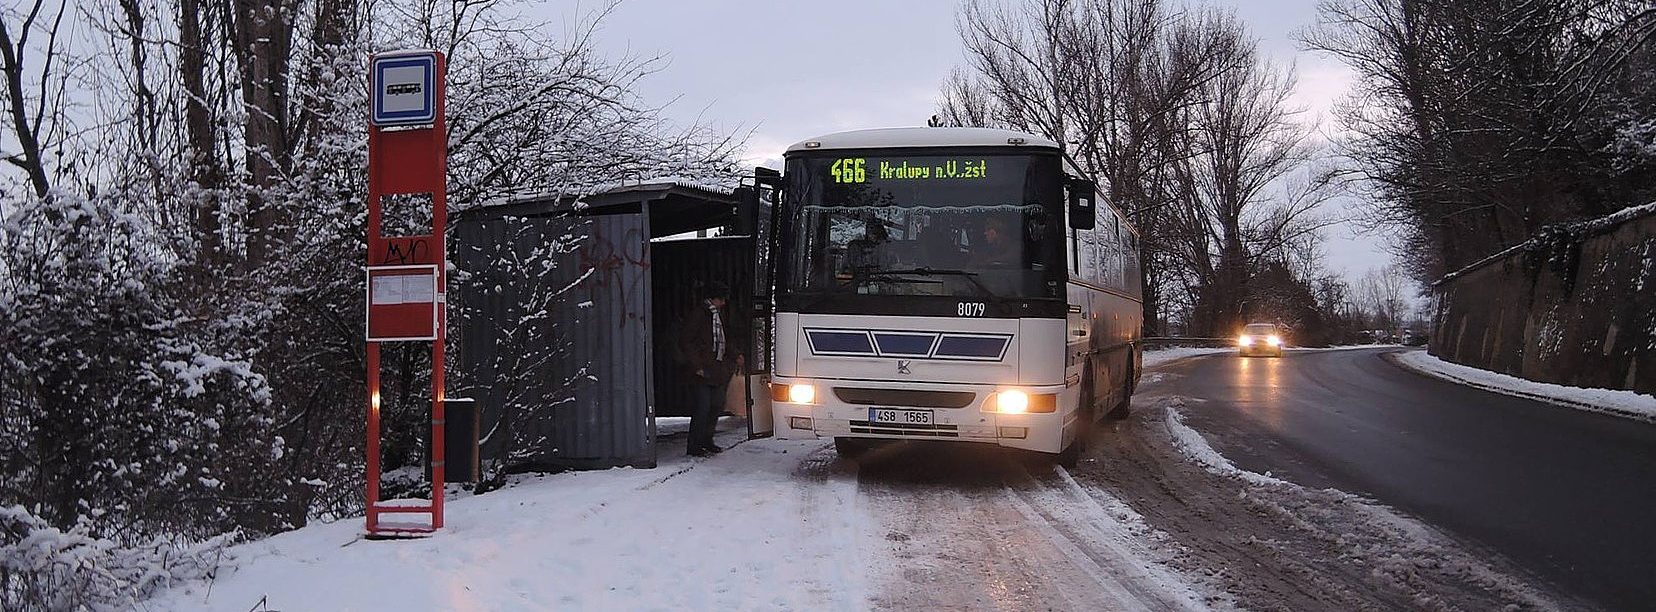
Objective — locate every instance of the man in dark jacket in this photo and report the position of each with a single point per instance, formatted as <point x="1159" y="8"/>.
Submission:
<point x="998" y="247"/>
<point x="710" y="360"/>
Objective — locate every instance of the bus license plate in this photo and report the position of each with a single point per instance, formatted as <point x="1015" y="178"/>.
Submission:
<point x="899" y="417"/>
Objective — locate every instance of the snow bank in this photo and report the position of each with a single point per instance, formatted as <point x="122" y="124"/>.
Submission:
<point x="1342" y="347"/>
<point x="1620" y="403"/>
<point x="42" y="567"/>
<point x="1156" y="357"/>
<point x="738" y="531"/>
<point x="1193" y="445"/>
<point x="667" y="426"/>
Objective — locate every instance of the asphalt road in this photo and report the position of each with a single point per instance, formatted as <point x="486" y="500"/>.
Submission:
<point x="1567" y="495"/>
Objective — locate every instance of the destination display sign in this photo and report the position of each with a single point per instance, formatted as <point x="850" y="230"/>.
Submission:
<point x="929" y="168"/>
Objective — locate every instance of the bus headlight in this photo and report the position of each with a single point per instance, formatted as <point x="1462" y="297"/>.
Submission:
<point x="1245" y="340"/>
<point x="802" y="394"/>
<point x="1274" y="341"/>
<point x="1012" y="401"/>
<point x="1018" y="401"/>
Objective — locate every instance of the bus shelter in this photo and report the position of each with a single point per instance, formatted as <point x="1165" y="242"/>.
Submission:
<point x="566" y="312"/>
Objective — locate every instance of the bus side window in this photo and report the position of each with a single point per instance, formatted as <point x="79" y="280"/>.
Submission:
<point x="1109" y="248"/>
<point x="1130" y="253"/>
<point x="1102" y="245"/>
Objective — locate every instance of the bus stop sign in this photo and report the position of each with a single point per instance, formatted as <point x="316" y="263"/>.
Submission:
<point x="402" y="303"/>
<point x="407" y="156"/>
<point x="405" y="88"/>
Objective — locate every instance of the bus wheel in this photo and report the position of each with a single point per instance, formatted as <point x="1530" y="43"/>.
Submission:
<point x="1121" y="410"/>
<point x="1124" y="408"/>
<point x="1070" y="457"/>
<point x="851" y="448"/>
<point x="1089" y="409"/>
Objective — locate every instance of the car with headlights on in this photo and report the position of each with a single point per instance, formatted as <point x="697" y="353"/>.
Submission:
<point x="1260" y="339"/>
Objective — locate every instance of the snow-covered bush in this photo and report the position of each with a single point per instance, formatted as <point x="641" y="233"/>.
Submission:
<point x="45" y="568"/>
<point x="116" y="404"/>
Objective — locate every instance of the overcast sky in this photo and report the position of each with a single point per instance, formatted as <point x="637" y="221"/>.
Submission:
<point x="788" y="71"/>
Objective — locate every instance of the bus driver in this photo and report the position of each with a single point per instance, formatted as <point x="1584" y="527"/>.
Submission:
<point x="1000" y="247"/>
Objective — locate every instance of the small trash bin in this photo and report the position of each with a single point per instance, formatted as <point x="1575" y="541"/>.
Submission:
<point x="461" y="421"/>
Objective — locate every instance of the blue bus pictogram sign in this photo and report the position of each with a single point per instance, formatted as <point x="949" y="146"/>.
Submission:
<point x="405" y="89"/>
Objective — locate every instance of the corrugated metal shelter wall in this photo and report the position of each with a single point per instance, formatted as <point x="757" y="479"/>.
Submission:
<point x="553" y="338"/>
<point x="505" y="361"/>
<point x="682" y="270"/>
<point x="608" y="315"/>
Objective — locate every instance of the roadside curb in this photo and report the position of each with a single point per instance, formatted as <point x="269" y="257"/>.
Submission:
<point x="1393" y="358"/>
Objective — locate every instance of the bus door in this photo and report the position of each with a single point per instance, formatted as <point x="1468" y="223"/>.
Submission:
<point x="759" y="208"/>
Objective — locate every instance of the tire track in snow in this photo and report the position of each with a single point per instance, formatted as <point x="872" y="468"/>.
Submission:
<point x="1113" y="546"/>
<point x="972" y="528"/>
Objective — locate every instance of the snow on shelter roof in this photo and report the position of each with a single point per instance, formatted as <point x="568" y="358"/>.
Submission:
<point x="676" y="205"/>
<point x="883" y="138"/>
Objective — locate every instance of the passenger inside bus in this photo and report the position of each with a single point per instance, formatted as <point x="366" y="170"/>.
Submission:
<point x="868" y="251"/>
<point x="998" y="247"/>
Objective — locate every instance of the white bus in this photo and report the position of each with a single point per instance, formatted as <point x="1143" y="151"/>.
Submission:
<point x="949" y="284"/>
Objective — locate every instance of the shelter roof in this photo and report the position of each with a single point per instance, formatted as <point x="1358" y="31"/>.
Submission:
<point x="676" y="206"/>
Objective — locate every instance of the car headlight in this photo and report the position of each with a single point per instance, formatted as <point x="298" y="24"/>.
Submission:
<point x="1012" y="401"/>
<point x="1245" y="340"/>
<point x="802" y="394"/>
<point x="1274" y="341"/>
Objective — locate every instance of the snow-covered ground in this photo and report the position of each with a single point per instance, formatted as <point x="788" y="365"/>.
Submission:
<point x="767" y="525"/>
<point x="1621" y="403"/>
<point x="670" y="426"/>
<point x="738" y="531"/>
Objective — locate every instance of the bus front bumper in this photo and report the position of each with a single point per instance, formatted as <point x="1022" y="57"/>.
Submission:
<point x="829" y="417"/>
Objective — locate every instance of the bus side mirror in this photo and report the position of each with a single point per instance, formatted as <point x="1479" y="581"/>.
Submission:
<point x="1083" y="204"/>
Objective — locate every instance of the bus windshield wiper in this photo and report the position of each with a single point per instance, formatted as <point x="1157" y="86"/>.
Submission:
<point x="924" y="271"/>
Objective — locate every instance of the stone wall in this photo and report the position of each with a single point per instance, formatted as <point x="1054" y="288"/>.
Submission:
<point x="1574" y="306"/>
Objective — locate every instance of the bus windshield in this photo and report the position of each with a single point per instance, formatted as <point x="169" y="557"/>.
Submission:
<point x="966" y="225"/>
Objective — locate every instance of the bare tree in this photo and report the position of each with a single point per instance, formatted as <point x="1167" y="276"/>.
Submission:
<point x="1381" y="294"/>
<point x="263" y="31"/>
<point x="35" y="116"/>
<point x="1478" y="122"/>
<point x="1184" y="123"/>
<point x="1244" y="138"/>
<point x="205" y="165"/>
<point x="1103" y="77"/>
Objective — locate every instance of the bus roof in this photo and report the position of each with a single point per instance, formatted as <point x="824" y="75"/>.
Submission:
<point x="902" y="137"/>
